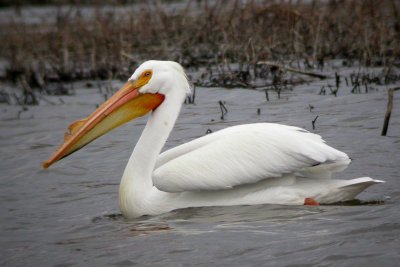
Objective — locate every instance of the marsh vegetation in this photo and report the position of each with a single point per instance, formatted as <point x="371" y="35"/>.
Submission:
<point x="224" y="41"/>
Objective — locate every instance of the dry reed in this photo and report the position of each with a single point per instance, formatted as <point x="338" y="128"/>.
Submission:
<point x="203" y="34"/>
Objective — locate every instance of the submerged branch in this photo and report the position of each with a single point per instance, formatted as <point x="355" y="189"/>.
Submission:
<point x="388" y="110"/>
<point x="291" y="69"/>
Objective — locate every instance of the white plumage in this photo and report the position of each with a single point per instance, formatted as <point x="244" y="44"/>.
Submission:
<point x="240" y="165"/>
<point x="245" y="154"/>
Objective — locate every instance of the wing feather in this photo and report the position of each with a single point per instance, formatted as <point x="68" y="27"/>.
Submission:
<point x="244" y="154"/>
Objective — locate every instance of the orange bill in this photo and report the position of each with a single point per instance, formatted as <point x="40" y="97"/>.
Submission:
<point x="125" y="105"/>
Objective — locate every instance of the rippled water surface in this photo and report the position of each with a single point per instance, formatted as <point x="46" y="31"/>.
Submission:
<point x="68" y="215"/>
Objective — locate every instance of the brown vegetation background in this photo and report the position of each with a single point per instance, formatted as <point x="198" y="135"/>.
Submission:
<point x="111" y="43"/>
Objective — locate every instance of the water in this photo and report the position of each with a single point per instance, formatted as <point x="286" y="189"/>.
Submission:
<point x="68" y="215"/>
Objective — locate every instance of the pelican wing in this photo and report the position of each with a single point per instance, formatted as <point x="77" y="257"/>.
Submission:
<point x="245" y="154"/>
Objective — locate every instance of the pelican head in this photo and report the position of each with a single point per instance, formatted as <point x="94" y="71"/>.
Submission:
<point x="163" y="75"/>
<point x="145" y="90"/>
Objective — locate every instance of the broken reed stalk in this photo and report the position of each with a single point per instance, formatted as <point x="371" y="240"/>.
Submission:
<point x="224" y="110"/>
<point x="388" y="110"/>
<point x="313" y="122"/>
<point x="190" y="98"/>
<point x="29" y="97"/>
<point x="266" y="94"/>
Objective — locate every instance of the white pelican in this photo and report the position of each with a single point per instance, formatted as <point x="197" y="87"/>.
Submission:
<point x="241" y="165"/>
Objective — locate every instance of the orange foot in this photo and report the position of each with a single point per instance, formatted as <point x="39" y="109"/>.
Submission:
<point x="309" y="201"/>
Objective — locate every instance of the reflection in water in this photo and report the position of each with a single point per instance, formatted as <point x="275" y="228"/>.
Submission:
<point x="108" y="217"/>
<point x="358" y="202"/>
<point x="141" y="226"/>
<point x="152" y="228"/>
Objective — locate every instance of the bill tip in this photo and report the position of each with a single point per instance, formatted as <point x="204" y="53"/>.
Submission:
<point x="46" y="164"/>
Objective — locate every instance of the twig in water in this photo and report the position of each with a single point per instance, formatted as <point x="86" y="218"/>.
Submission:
<point x="46" y="100"/>
<point x="313" y="122"/>
<point x="5" y="98"/>
<point x="266" y="94"/>
<point x="258" y="111"/>
<point x="28" y="94"/>
<point x="333" y="91"/>
<point x="278" y="90"/>
<point x="310" y="107"/>
<point x="99" y="85"/>
<point x="190" y="98"/>
<point x="388" y="110"/>
<point x="224" y="110"/>
<point x="22" y="110"/>
<point x="337" y="80"/>
<point x="209" y="131"/>
<point x="356" y="84"/>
